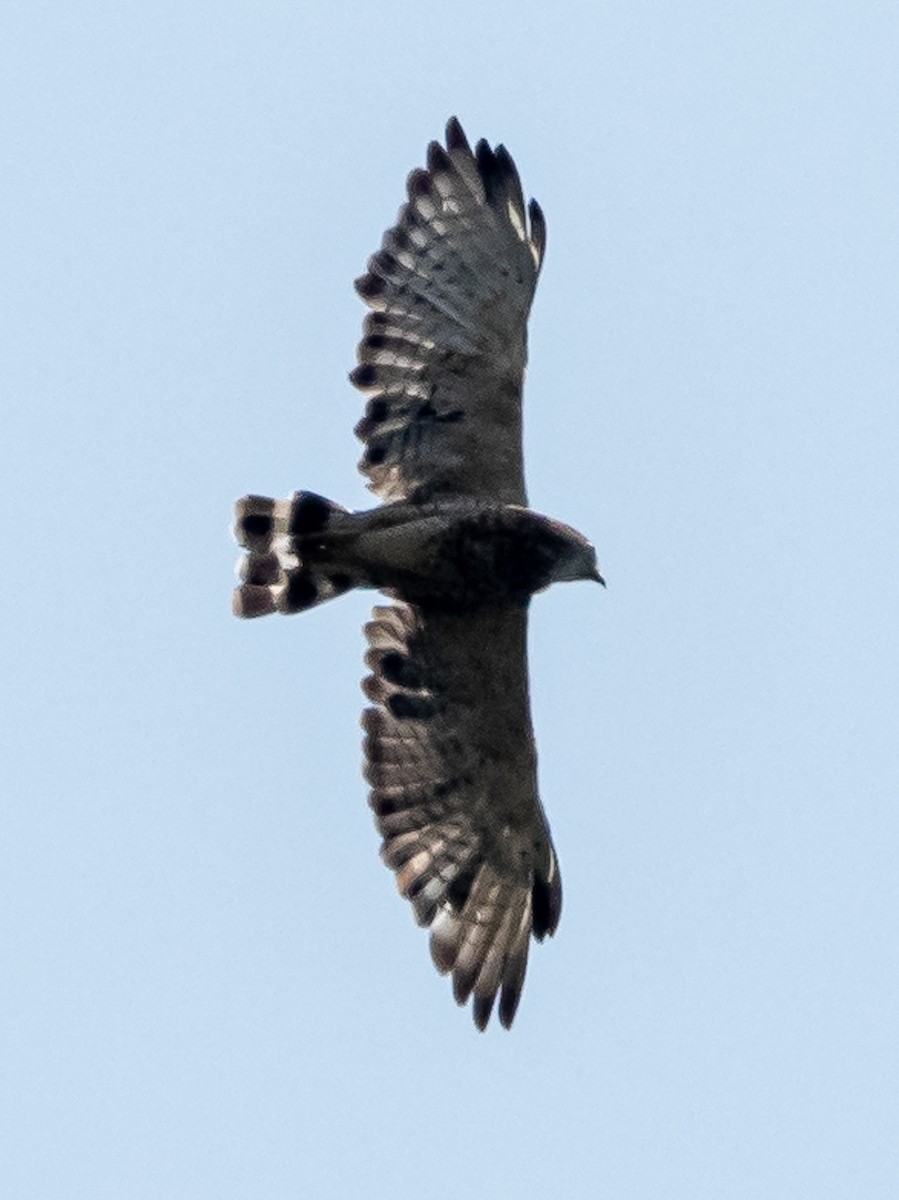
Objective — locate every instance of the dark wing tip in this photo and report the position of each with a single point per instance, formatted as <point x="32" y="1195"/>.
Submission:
<point x="508" y="1000"/>
<point x="538" y="231"/>
<point x="364" y="376"/>
<point x="481" y="1008"/>
<point x="370" y="286"/>
<point x="546" y="902"/>
<point x="463" y="981"/>
<point x="487" y="166"/>
<point x="455" y="136"/>
<point x="443" y="953"/>
<point x="419" y="183"/>
<point x="499" y="176"/>
<point x="504" y="162"/>
<point x="438" y="159"/>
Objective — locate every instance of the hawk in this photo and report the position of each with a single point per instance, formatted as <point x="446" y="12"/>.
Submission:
<point x="449" y="746"/>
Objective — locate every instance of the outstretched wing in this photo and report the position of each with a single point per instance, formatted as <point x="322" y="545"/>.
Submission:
<point x="443" y="353"/>
<point x="452" y="766"/>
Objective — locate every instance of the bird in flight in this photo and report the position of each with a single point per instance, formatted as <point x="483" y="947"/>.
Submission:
<point x="449" y="746"/>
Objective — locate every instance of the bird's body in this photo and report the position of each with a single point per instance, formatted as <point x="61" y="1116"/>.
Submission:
<point x="451" y="553"/>
<point x="449" y="746"/>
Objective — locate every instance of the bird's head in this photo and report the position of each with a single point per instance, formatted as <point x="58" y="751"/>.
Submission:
<point x="576" y="558"/>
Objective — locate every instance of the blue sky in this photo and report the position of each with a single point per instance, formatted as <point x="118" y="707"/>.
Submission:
<point x="210" y="986"/>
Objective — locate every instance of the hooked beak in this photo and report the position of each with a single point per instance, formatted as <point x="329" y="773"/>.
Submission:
<point x="596" y="575"/>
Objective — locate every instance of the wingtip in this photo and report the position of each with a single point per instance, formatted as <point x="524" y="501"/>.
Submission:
<point x="481" y="1008"/>
<point x="455" y="136"/>
<point x="508" y="1006"/>
<point x="437" y="158"/>
<point x="538" y="232"/>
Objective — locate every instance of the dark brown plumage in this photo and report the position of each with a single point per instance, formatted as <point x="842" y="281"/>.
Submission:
<point x="449" y="747"/>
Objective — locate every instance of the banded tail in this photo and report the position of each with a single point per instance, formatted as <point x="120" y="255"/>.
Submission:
<point x="285" y="568"/>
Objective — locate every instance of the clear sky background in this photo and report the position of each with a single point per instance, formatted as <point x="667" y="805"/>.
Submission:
<point x="210" y="989"/>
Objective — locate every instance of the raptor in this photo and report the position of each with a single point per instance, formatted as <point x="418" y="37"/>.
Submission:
<point x="449" y="745"/>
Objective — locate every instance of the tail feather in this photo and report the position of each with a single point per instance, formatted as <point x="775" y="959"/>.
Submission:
<point x="259" y="521"/>
<point x="283" y="570"/>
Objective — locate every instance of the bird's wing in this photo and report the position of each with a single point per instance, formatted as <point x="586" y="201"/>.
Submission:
<point x="443" y="353"/>
<point x="451" y="761"/>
